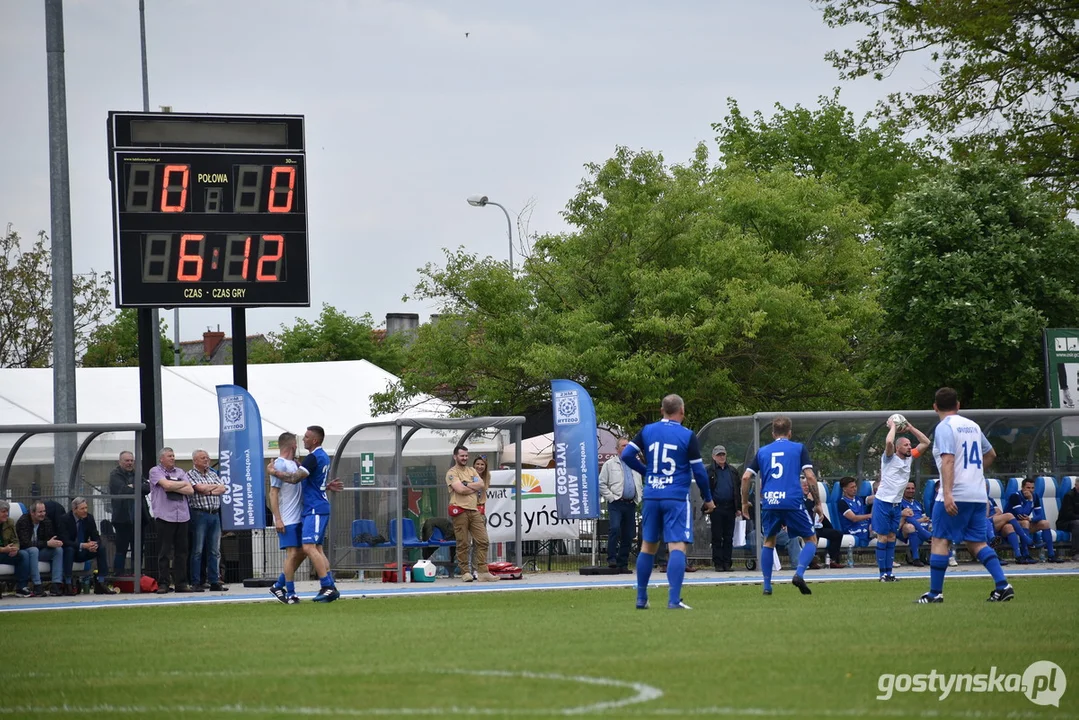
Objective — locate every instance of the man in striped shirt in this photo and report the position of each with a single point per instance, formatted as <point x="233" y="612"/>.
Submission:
<point x="205" y="507"/>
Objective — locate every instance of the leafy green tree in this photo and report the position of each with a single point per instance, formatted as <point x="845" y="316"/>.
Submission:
<point x="976" y="265"/>
<point x="116" y="343"/>
<point x="741" y="291"/>
<point x="26" y="303"/>
<point x="1008" y="76"/>
<point x="333" y="336"/>
<point x="872" y="161"/>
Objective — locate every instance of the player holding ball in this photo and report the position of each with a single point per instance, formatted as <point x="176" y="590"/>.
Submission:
<point x="887" y="514"/>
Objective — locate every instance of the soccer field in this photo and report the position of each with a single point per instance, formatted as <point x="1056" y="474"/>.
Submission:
<point x="544" y="653"/>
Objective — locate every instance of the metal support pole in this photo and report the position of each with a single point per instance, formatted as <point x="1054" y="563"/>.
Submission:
<point x="63" y="309"/>
<point x="149" y="323"/>
<point x="239" y="347"/>
<point x="518" y="435"/>
<point x="509" y="229"/>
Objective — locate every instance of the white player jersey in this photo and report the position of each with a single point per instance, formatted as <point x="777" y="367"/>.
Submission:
<point x="963" y="438"/>
<point x="290" y="500"/>
<point x="894" y="474"/>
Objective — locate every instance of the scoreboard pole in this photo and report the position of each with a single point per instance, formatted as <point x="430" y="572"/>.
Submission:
<point x="239" y="347"/>
<point x="149" y="400"/>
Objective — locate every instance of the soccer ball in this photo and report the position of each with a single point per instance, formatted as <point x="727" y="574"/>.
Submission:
<point x="900" y="422"/>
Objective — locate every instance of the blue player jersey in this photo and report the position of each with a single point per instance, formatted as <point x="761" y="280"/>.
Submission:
<point x="857" y="506"/>
<point x="317" y="465"/>
<point x="915" y="507"/>
<point x="1019" y="505"/>
<point x="781" y="484"/>
<point x="672" y="459"/>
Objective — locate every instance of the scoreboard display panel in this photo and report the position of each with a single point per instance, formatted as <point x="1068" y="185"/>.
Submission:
<point x="209" y="210"/>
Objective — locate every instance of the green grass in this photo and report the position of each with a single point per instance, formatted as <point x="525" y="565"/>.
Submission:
<point x="736" y="653"/>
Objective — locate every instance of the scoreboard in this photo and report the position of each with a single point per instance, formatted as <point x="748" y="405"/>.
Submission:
<point x="209" y="210"/>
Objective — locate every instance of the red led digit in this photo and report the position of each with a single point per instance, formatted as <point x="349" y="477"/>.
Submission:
<point x="277" y="191"/>
<point x="260" y="274"/>
<point x="247" y="256"/>
<point x="194" y="257"/>
<point x="167" y="187"/>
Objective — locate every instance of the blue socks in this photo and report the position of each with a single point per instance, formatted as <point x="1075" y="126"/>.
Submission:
<point x="886" y="557"/>
<point x="645" y="562"/>
<point x="326" y="581"/>
<point x="768" y="559"/>
<point x="1047" y="538"/>
<point x="676" y="572"/>
<point x="1013" y="540"/>
<point x="805" y="557"/>
<point x="280" y="581"/>
<point x="938" y="565"/>
<point x="988" y="558"/>
<point x="914" y="544"/>
<point x="290" y="587"/>
<point x="1024" y="538"/>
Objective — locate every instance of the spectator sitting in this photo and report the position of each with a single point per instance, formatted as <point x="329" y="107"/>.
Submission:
<point x="37" y="536"/>
<point x="82" y="542"/>
<point x="1068" y="518"/>
<point x="916" y="526"/>
<point x="823" y="527"/>
<point x="10" y="554"/>
<point x="1026" y="506"/>
<point x="853" y="517"/>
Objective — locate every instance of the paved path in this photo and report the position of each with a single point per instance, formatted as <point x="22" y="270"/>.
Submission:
<point x="531" y="581"/>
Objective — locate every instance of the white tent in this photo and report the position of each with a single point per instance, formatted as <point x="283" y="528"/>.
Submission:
<point x="538" y="451"/>
<point x="335" y="395"/>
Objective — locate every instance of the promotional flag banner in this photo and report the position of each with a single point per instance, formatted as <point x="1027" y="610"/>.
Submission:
<point x="576" y="452"/>
<point x="240" y="463"/>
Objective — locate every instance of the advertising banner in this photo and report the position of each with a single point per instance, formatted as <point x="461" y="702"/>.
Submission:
<point x="240" y="463"/>
<point x="576" y="452"/>
<point x="540" y="519"/>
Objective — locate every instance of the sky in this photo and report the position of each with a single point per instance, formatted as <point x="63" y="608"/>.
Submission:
<point x="410" y="107"/>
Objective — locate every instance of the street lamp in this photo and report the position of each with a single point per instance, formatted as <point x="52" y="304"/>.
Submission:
<point x="482" y="201"/>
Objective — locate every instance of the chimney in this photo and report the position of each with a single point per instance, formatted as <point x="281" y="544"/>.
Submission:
<point x="401" y="323"/>
<point x="210" y="341"/>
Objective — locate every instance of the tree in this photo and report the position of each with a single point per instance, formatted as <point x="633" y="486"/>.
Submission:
<point x="976" y="265"/>
<point x="741" y="291"/>
<point x="116" y="343"/>
<point x="1008" y="76"/>
<point x="26" y="331"/>
<point x="333" y="336"/>
<point x="871" y="161"/>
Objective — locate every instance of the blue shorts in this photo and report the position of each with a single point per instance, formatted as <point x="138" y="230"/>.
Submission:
<point x="886" y="517"/>
<point x="314" y="529"/>
<point x="669" y="520"/>
<point x="967" y="526"/>
<point x="797" y="520"/>
<point x="990" y="532"/>
<point x="291" y="536"/>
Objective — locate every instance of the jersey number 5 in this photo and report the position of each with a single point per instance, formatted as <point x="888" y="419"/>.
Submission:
<point x="777" y="468"/>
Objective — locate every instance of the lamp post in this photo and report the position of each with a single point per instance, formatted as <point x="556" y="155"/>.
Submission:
<point x="482" y="201"/>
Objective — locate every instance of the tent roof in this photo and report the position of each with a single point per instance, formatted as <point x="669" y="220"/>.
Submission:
<point x="335" y="395"/>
